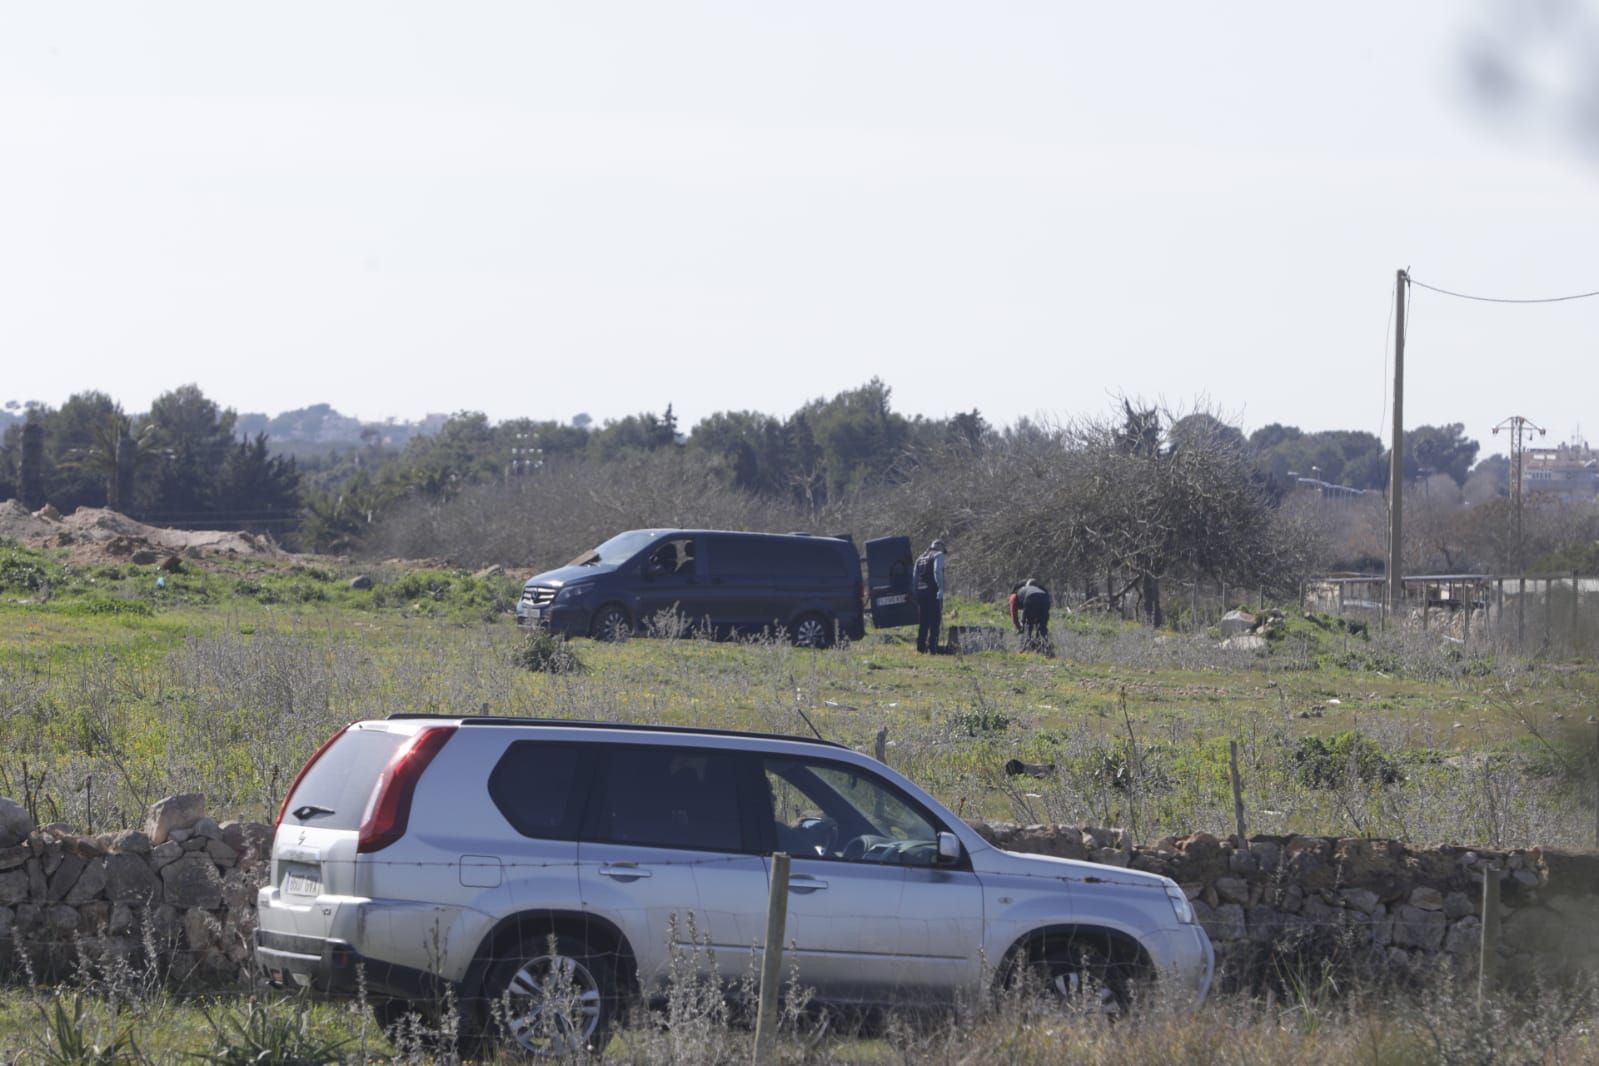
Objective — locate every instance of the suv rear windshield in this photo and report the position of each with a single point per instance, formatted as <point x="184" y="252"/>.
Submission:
<point x="341" y="781"/>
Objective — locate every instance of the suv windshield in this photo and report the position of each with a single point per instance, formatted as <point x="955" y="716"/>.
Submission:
<point x="618" y="549"/>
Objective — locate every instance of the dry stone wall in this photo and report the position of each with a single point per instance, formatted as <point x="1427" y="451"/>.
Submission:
<point x="1281" y="908"/>
<point x="178" y="898"/>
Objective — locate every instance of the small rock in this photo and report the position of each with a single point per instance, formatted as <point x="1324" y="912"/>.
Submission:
<point x="15" y="822"/>
<point x="208" y="828"/>
<point x="1363" y="900"/>
<point x="174" y="812"/>
<point x="162" y="854"/>
<point x="361" y="581"/>
<point x="132" y="841"/>
<point x="1458" y="905"/>
<point x="1232" y="890"/>
<point x="1427" y="898"/>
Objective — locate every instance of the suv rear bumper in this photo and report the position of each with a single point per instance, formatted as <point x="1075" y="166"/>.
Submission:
<point x="334" y="968"/>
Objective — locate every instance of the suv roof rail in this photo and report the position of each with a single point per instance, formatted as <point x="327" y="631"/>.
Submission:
<point x="642" y="727"/>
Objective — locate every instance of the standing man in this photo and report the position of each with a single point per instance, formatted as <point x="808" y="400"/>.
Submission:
<point x="927" y="577"/>
<point x="1029" y="613"/>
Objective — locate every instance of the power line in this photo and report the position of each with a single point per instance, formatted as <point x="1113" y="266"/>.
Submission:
<point x="1504" y="299"/>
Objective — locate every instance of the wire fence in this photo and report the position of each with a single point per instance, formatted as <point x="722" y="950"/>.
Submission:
<point x="1529" y="614"/>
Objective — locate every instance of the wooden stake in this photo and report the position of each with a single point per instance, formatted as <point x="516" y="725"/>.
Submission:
<point x="1238" y="792"/>
<point x="1488" y="964"/>
<point x="772" y="961"/>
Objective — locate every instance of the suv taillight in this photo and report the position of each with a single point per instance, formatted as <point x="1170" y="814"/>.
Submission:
<point x="326" y="744"/>
<point x="389" y="809"/>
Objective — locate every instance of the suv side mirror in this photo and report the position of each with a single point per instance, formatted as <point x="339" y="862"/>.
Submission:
<point x="949" y="848"/>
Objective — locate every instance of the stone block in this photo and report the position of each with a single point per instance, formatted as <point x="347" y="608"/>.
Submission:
<point x="1228" y="923"/>
<point x="129" y="879"/>
<point x="220" y="853"/>
<point x="192" y="881"/>
<point x="14" y="856"/>
<point x="1427" y="898"/>
<point x="15" y="822"/>
<point x="1464" y="936"/>
<point x="173" y="812"/>
<point x="65" y="876"/>
<point x="165" y="852"/>
<point x="61" y="918"/>
<point x="1265" y="924"/>
<point x="1417" y="928"/>
<point x="122" y="919"/>
<point x="207" y="827"/>
<point x="1232" y="890"/>
<point x="91" y="883"/>
<point x="1458" y="905"/>
<point x="13" y="886"/>
<point x="1361" y="899"/>
<point x="133" y="841"/>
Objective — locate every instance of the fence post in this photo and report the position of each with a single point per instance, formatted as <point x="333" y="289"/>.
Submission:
<point x="1571" y="635"/>
<point x="881" y="747"/>
<point x="1238" y="792"/>
<point x="1521" y="613"/>
<point x="772" y="961"/>
<point x="1488" y="963"/>
<point x="1548" y="613"/>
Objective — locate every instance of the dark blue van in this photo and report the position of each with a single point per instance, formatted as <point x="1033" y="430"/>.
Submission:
<point x="722" y="582"/>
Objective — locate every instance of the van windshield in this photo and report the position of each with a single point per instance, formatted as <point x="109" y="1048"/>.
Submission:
<point x="619" y="548"/>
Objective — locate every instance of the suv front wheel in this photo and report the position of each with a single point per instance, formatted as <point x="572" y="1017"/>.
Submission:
<point x="553" y="999"/>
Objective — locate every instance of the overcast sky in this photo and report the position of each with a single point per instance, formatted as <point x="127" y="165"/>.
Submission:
<point x="538" y="210"/>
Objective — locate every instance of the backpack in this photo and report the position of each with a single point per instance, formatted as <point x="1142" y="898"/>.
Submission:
<point x="922" y="573"/>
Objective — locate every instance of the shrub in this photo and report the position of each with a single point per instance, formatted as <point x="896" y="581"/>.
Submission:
<point x="1326" y="762"/>
<point x="545" y="653"/>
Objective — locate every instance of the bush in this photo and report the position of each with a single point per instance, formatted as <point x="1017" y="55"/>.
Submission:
<point x="1326" y="762"/>
<point x="546" y="653"/>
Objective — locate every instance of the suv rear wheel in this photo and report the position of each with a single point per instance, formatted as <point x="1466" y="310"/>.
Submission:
<point x="611" y="623"/>
<point x="812" y="631"/>
<point x="553" y="998"/>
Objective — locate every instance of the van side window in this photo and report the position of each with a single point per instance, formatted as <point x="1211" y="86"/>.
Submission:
<point x="669" y="798"/>
<point x="671" y="558"/>
<point x="534" y="785"/>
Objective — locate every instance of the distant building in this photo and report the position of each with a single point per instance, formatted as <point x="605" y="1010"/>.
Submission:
<point x="1568" y="472"/>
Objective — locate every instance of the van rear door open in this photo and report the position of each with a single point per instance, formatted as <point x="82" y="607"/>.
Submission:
<point x="888" y="582"/>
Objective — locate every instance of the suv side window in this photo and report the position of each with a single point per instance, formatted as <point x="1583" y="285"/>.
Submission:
<point x="668" y="797"/>
<point x="835" y="811"/>
<point x="538" y="787"/>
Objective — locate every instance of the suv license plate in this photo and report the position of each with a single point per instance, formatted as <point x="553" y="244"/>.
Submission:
<point x="533" y="614"/>
<point x="301" y="885"/>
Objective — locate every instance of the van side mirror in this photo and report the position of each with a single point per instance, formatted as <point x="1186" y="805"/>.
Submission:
<point x="949" y="849"/>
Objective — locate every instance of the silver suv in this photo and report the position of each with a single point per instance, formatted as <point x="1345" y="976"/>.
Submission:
<point x="545" y="874"/>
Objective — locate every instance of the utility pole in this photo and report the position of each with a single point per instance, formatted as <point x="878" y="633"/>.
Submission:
<point x="1517" y="426"/>
<point x="1396" y="457"/>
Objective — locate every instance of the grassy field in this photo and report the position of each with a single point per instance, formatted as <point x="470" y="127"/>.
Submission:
<point x="116" y="691"/>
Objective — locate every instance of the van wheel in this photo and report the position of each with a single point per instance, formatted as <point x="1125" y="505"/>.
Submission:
<point x="812" y="631"/>
<point x="611" y="623"/>
<point x="552" y="999"/>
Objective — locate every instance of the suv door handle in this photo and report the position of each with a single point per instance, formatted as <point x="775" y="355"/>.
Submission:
<point x="624" y="871"/>
<point x="805" y="883"/>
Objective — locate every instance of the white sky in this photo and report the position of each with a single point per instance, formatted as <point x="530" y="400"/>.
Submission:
<point x="538" y="209"/>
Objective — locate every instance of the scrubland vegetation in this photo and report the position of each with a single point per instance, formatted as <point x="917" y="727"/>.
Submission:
<point x="115" y="692"/>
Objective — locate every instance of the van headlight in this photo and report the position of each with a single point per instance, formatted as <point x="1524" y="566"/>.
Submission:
<point x="573" y="592"/>
<point x="1179" y="903"/>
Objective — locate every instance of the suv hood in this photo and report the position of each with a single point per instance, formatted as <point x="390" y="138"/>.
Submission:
<point x="565" y="574"/>
<point x="997" y="860"/>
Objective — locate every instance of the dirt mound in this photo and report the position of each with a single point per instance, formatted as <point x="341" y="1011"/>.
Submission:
<point x="92" y="534"/>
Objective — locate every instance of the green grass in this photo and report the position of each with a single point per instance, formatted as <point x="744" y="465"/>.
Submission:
<point x="227" y="678"/>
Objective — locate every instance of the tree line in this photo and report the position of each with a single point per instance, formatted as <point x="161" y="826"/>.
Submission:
<point x="1117" y="503"/>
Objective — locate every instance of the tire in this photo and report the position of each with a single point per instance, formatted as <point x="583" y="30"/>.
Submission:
<point x="552" y="999"/>
<point x="611" y="623"/>
<point x="1079" y="977"/>
<point x="811" y="631"/>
